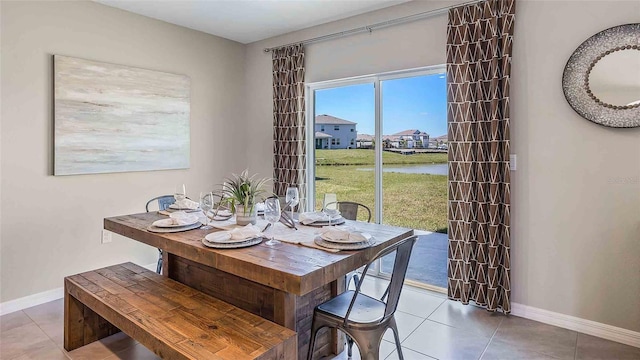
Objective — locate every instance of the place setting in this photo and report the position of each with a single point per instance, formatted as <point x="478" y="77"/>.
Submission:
<point x="176" y="222"/>
<point x="241" y="237"/>
<point x="326" y="217"/>
<point x="181" y="202"/>
<point x="346" y="238"/>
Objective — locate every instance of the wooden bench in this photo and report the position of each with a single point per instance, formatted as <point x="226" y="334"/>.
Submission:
<point x="171" y="319"/>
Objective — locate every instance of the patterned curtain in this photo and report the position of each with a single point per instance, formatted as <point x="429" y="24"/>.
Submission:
<point x="289" y="158"/>
<point x="479" y="47"/>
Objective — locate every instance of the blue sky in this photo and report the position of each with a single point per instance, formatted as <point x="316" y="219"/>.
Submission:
<point x="409" y="103"/>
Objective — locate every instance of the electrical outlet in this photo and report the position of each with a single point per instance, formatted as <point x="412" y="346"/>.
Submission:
<point x="106" y="236"/>
<point x="513" y="162"/>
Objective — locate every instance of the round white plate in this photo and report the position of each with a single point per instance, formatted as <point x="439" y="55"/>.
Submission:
<point x="325" y="237"/>
<point x="338" y="221"/>
<point x="224" y="237"/>
<point x="176" y="207"/>
<point x="341" y="246"/>
<point x="220" y="215"/>
<point x="168" y="223"/>
<point x="156" y="229"/>
<point x="223" y="212"/>
<point x="234" y="245"/>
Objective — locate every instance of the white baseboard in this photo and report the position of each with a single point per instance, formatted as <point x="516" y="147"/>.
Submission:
<point x="152" y="266"/>
<point x="588" y="327"/>
<point x="41" y="298"/>
<point x="31" y="300"/>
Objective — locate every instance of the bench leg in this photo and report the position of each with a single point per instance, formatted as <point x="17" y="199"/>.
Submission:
<point x="82" y="325"/>
<point x="73" y="322"/>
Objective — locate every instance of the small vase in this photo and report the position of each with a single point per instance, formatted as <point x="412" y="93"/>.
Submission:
<point x="245" y="218"/>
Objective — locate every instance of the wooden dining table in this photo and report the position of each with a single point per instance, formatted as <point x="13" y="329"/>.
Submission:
<point x="282" y="283"/>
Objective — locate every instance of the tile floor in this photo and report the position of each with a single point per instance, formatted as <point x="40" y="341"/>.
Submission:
<point x="430" y="326"/>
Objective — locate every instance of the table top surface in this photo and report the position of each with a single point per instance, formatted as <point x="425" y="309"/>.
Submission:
<point x="288" y="267"/>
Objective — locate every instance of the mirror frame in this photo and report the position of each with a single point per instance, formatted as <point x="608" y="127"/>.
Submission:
<point x="575" y="80"/>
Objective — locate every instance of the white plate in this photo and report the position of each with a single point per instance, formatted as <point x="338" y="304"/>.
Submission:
<point x="235" y="245"/>
<point x="176" y="207"/>
<point x="338" y="221"/>
<point x="224" y="237"/>
<point x="168" y="223"/>
<point x="341" y="246"/>
<point x="223" y="212"/>
<point x="220" y="215"/>
<point x="156" y="229"/>
<point x="347" y="240"/>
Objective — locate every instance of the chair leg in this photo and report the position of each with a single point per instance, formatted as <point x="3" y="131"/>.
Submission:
<point x="394" y="328"/>
<point x="368" y="343"/>
<point x="315" y="326"/>
<point x="349" y="346"/>
<point x="159" y="267"/>
<point x="351" y="276"/>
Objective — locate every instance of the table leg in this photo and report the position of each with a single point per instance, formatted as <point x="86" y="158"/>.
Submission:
<point x="165" y="263"/>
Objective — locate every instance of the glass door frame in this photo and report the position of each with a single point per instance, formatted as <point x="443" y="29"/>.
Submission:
<point x="376" y="80"/>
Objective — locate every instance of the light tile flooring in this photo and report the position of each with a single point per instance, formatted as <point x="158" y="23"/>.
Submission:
<point x="430" y="327"/>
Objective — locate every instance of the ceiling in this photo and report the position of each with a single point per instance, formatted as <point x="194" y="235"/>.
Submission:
<point x="247" y="21"/>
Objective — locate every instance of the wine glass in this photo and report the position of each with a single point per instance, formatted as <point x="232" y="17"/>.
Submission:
<point x="331" y="210"/>
<point x="206" y="204"/>
<point x="292" y="198"/>
<point x="180" y="194"/>
<point x="272" y="214"/>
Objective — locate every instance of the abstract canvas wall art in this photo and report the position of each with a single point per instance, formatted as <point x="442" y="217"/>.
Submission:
<point x="114" y="118"/>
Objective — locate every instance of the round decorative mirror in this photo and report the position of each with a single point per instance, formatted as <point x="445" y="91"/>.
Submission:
<point x="601" y="80"/>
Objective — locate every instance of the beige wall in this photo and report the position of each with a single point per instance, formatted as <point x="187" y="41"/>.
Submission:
<point x="576" y="209"/>
<point x="576" y="193"/>
<point x="51" y="226"/>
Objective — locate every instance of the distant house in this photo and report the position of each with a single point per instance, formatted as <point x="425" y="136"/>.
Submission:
<point x="439" y="142"/>
<point x="364" y="141"/>
<point x="407" y="139"/>
<point x="334" y="133"/>
<point x="411" y="139"/>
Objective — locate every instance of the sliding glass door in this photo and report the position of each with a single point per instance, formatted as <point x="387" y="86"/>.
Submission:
<point x="381" y="141"/>
<point x="414" y="170"/>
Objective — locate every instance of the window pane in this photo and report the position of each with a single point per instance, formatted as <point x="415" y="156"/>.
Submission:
<point x="415" y="170"/>
<point x="341" y="115"/>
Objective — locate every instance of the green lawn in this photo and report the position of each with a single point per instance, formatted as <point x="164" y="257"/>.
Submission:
<point x="366" y="157"/>
<point x="417" y="201"/>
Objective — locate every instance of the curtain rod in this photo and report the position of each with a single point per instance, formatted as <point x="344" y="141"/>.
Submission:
<point x="376" y="26"/>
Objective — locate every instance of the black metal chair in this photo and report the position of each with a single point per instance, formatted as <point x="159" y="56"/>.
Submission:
<point x="362" y="318"/>
<point x="164" y="202"/>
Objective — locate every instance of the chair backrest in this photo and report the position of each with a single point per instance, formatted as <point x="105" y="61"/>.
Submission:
<point x="403" y="252"/>
<point x="163" y="202"/>
<point x="349" y="210"/>
<point x="400" y="265"/>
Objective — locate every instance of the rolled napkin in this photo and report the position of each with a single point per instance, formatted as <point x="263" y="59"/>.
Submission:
<point x="306" y="218"/>
<point x="343" y="235"/>
<point x="247" y="232"/>
<point x="185" y="204"/>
